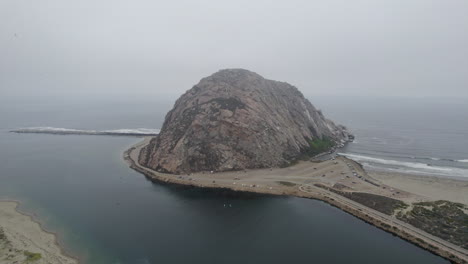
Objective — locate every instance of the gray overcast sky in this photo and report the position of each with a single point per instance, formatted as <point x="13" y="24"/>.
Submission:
<point x="146" y="47"/>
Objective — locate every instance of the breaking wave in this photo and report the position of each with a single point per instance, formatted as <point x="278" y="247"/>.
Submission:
<point x="70" y="131"/>
<point x="407" y="167"/>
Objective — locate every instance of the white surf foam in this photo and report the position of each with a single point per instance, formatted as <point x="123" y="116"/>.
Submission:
<point x="408" y="167"/>
<point x="463" y="160"/>
<point x="60" y="130"/>
<point x="141" y="131"/>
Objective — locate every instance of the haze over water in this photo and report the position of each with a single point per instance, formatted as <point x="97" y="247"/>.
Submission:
<point x="416" y="136"/>
<point x="107" y="213"/>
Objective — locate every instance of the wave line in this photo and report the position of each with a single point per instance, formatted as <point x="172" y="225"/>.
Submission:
<point x="71" y="131"/>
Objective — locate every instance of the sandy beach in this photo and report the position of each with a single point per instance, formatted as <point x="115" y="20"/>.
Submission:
<point x="332" y="181"/>
<point x="428" y="187"/>
<point x="22" y="240"/>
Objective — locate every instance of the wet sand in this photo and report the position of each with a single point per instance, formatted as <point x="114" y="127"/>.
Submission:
<point x="22" y="240"/>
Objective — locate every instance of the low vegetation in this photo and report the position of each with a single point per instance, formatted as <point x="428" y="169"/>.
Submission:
<point x="443" y="219"/>
<point x="286" y="183"/>
<point x="4" y="242"/>
<point x="379" y="203"/>
<point x="11" y="254"/>
<point x="30" y="256"/>
<point x="318" y="146"/>
<point x="2" y="234"/>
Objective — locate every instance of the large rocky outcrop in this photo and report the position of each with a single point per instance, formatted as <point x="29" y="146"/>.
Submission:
<point x="236" y="119"/>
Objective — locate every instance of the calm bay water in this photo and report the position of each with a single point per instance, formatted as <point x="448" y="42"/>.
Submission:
<point x="107" y="213"/>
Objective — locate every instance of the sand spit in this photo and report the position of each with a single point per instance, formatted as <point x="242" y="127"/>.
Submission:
<point x="323" y="181"/>
<point x="23" y="240"/>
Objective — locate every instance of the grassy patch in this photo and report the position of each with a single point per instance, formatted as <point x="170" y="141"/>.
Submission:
<point x="286" y="183"/>
<point x="317" y="146"/>
<point x="31" y="256"/>
<point x="320" y="145"/>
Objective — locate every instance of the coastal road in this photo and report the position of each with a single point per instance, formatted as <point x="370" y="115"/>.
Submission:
<point x="456" y="250"/>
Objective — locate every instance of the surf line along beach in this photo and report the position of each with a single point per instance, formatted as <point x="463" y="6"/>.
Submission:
<point x="314" y="180"/>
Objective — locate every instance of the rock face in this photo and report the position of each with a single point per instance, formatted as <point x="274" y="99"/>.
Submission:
<point x="235" y="119"/>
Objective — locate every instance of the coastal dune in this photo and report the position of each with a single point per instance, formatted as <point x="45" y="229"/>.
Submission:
<point x="22" y="240"/>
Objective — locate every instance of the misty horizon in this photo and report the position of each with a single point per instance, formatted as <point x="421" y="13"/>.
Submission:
<point x="333" y="48"/>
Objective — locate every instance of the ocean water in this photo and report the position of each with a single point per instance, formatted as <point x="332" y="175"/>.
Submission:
<point x="416" y="136"/>
<point x="105" y="212"/>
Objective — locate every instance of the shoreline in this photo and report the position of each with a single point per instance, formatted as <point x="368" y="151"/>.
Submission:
<point x="417" y="175"/>
<point x="61" y="255"/>
<point x="229" y="181"/>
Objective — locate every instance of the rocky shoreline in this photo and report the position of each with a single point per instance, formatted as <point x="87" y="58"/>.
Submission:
<point x="417" y="237"/>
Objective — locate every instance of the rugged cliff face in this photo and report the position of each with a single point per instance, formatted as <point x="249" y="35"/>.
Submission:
<point x="236" y="119"/>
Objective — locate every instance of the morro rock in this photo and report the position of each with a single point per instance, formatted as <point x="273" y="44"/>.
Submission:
<point x="235" y="119"/>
